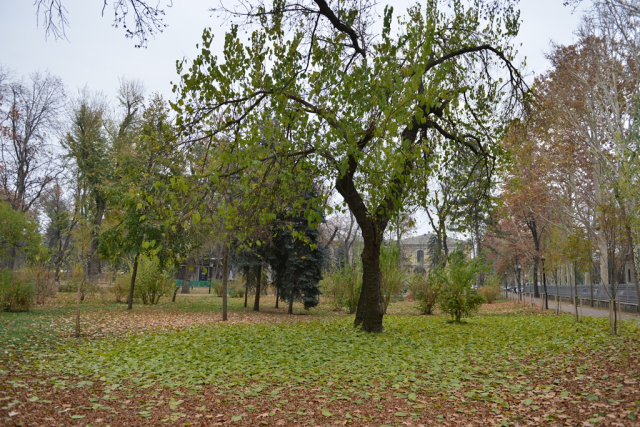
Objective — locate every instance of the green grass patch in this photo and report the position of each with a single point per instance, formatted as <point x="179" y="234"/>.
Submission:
<point x="416" y="353"/>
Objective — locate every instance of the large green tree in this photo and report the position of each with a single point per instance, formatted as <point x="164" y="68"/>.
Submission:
<point x="367" y="112"/>
<point x="17" y="230"/>
<point x="87" y="144"/>
<point x="145" y="166"/>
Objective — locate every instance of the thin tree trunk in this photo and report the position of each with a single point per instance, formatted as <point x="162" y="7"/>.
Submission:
<point x="13" y="254"/>
<point x="258" y="278"/>
<point x="78" y="309"/>
<point x="290" y="306"/>
<point x="277" y="296"/>
<point x="632" y="266"/>
<point x="588" y="279"/>
<point x="134" y="273"/>
<point x="225" y="277"/>
<point x="186" y="278"/>
<point x="94" y="258"/>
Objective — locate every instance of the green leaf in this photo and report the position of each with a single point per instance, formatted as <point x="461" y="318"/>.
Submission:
<point x="326" y="413"/>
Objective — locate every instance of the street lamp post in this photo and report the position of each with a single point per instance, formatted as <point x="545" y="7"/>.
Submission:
<point x="544" y="286"/>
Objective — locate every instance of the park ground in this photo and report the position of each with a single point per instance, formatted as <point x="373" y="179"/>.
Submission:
<point x="178" y="364"/>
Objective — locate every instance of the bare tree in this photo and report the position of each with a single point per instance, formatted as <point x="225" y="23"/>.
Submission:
<point x="139" y="19"/>
<point x="30" y="113"/>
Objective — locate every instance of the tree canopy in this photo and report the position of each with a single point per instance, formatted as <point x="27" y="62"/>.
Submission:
<point x="316" y="92"/>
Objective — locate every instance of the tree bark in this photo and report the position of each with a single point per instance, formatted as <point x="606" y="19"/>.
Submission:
<point x="258" y="279"/>
<point x="225" y="277"/>
<point x="370" y="309"/>
<point x="94" y="257"/>
<point x="78" y="309"/>
<point x="535" y="234"/>
<point x="186" y="279"/>
<point x="290" y="311"/>
<point x="134" y="273"/>
<point x="632" y="263"/>
<point x="277" y="296"/>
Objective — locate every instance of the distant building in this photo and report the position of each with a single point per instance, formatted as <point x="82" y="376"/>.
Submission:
<point x="415" y="250"/>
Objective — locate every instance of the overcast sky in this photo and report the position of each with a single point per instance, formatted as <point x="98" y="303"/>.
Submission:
<point x="96" y="54"/>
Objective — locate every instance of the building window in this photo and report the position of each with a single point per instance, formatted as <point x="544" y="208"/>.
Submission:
<point x="420" y="256"/>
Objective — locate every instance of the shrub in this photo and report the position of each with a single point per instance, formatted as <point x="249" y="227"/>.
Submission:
<point x="67" y="288"/>
<point x="393" y="276"/>
<point x="457" y="296"/>
<point x="216" y="287"/>
<point x="425" y="290"/>
<point x="76" y="278"/>
<point x="343" y="286"/>
<point x="490" y="293"/>
<point x="15" y="294"/>
<point x="237" y="288"/>
<point x="41" y="279"/>
<point x="120" y="287"/>
<point x="152" y="282"/>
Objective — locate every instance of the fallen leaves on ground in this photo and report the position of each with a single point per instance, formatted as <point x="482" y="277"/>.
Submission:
<point x="508" y="366"/>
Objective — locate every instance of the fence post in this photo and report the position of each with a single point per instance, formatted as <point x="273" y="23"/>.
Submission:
<point x="531" y="299"/>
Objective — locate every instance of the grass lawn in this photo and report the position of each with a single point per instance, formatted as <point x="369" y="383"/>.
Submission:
<point x="178" y="364"/>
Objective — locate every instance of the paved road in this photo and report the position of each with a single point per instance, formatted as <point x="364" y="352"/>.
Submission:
<point x="584" y="310"/>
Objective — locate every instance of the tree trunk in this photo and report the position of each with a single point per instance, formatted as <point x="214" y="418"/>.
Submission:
<point x="632" y="266"/>
<point x="186" y="278"/>
<point x="277" y="296"/>
<point x="225" y="277"/>
<point x="258" y="279"/>
<point x="533" y="227"/>
<point x="94" y="257"/>
<point x="370" y="309"/>
<point x="78" y="309"/>
<point x="11" y="255"/>
<point x="587" y="277"/>
<point x="536" y="291"/>
<point x="134" y="273"/>
<point x="290" y="311"/>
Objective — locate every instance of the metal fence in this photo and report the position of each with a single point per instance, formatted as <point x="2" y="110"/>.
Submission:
<point x="624" y="293"/>
<point x="195" y="283"/>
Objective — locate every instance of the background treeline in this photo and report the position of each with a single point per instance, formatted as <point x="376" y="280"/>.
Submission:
<point x="571" y="194"/>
